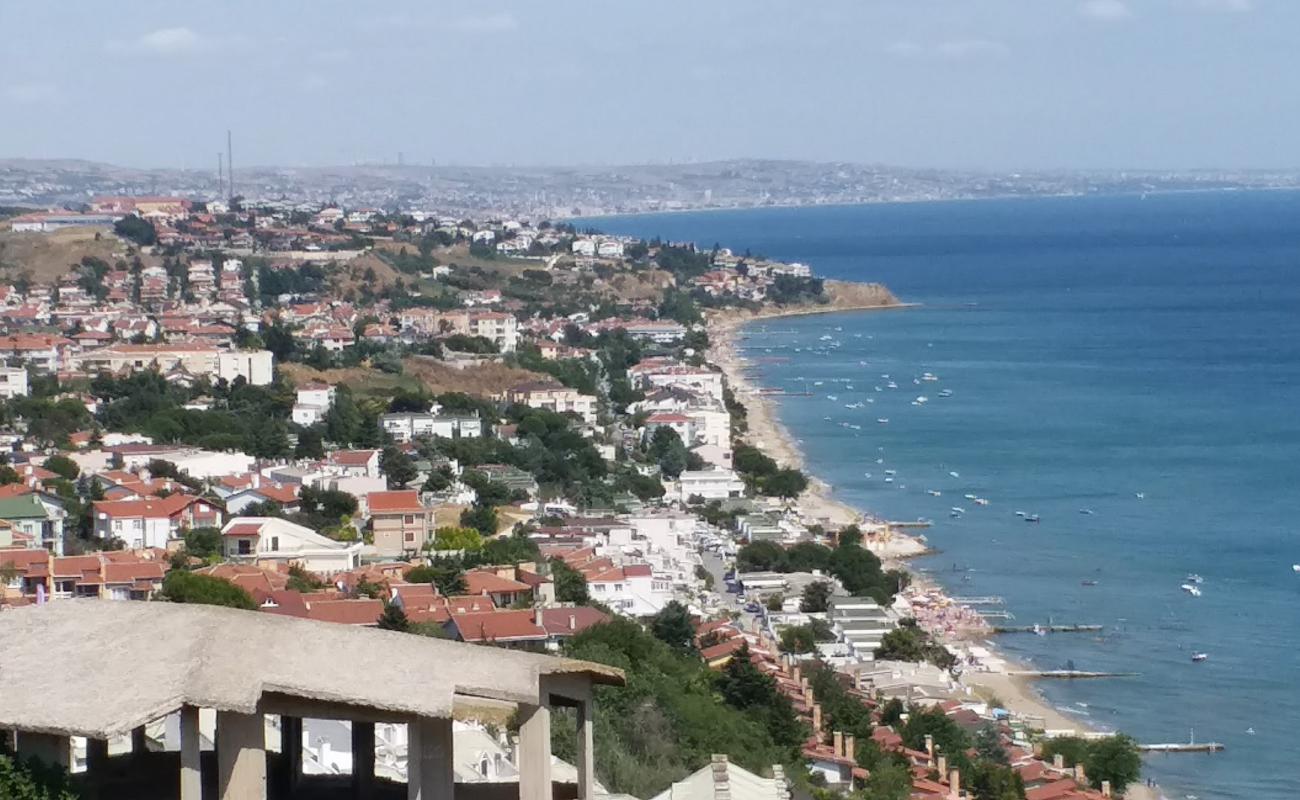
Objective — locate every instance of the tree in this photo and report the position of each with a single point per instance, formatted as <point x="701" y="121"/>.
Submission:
<point x="570" y="585"/>
<point x="743" y="686"/>
<point x="786" y="483"/>
<point x="135" y="229"/>
<point x="300" y="580"/>
<point x="33" y="780"/>
<point x="63" y="466"/>
<point x="798" y="639"/>
<point x="816" y="597"/>
<point x="450" y="538"/>
<point x="310" y="444"/>
<point x="1112" y="758"/>
<point x="908" y="642"/>
<point x="394" y="618"/>
<point x="446" y="574"/>
<point x="988" y="745"/>
<point x="672" y="626"/>
<point x="397" y="466"/>
<point x="189" y="587"/>
<point x="888" y="781"/>
<point x="204" y="543"/>
<point x="993" y="781"/>
<point x="483" y="518"/>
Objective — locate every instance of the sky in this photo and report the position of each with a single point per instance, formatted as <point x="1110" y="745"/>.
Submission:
<point x="980" y="84"/>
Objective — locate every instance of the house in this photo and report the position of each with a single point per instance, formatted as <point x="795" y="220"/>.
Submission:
<point x="553" y="397"/>
<point x="285" y="495"/>
<point x="13" y="382"/>
<point x="722" y="779"/>
<point x="355" y="463"/>
<point x="679" y="424"/>
<point x="404" y="427"/>
<point x="42" y="522"/>
<point x="400" y="521"/>
<point x="562" y="623"/>
<point x="522" y="629"/>
<point x="710" y="484"/>
<point x="632" y="589"/>
<point x="274" y="540"/>
<point x="314" y="400"/>
<point x="503" y="591"/>
<point x="152" y="522"/>
<point x="42" y="351"/>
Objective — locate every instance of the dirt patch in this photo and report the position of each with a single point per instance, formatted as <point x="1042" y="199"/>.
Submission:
<point x="350" y="277"/>
<point x="482" y="380"/>
<point x="417" y="371"/>
<point x="46" y="257"/>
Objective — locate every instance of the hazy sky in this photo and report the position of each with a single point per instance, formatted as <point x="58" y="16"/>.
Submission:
<point x="998" y="84"/>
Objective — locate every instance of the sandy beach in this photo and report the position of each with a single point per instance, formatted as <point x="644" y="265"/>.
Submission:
<point x="894" y="546"/>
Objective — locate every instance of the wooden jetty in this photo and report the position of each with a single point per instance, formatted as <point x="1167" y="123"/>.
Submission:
<point x="1183" y="747"/>
<point x="1069" y="674"/>
<point x="991" y="600"/>
<point x="1047" y="628"/>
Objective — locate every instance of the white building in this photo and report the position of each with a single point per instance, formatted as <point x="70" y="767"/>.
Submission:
<point x="553" y="397"/>
<point x="404" y="427"/>
<point x="13" y="382"/>
<point x="270" y="539"/>
<point x="314" y="400"/>
<point x="711" y="484"/>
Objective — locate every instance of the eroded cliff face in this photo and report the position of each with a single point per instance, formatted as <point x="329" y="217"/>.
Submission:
<point x="849" y="294"/>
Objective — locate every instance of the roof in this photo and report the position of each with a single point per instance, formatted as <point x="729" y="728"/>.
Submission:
<point x="479" y="582"/>
<point x="166" y="507"/>
<point x="394" y="502"/>
<point x="25" y="506"/>
<point x="568" y="621"/>
<point x="93" y="682"/>
<point x="498" y="626"/>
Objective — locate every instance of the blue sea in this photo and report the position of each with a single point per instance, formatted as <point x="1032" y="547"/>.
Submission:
<point x="1138" y="358"/>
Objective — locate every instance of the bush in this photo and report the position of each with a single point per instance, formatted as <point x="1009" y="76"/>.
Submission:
<point x="188" y="587"/>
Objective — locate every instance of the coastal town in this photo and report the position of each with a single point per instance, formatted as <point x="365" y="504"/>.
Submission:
<point x="298" y="430"/>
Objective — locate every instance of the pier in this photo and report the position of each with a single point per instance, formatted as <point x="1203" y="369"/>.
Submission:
<point x="1069" y="674"/>
<point x="991" y="600"/>
<point x="918" y="523"/>
<point x="1183" y="747"/>
<point x="1047" y="628"/>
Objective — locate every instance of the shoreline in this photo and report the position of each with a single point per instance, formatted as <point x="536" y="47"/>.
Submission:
<point x="895" y="547"/>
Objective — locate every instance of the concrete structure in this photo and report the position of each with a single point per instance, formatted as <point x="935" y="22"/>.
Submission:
<point x="271" y="539"/>
<point x="254" y="366"/>
<point x="404" y="427"/>
<point x="711" y="484"/>
<point x="722" y="780"/>
<point x="13" y="382"/>
<point x="95" y="683"/>
<point x="401" y="522"/>
<point x="553" y="397"/>
<point x="313" y="401"/>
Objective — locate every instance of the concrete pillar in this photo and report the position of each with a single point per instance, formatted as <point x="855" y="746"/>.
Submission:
<point x="430" y="770"/>
<point x="139" y="742"/>
<point x="586" y="751"/>
<point x="241" y="756"/>
<point x="363" y="760"/>
<point x="535" y="752"/>
<point x="97" y="768"/>
<point x="291" y="752"/>
<point x="191" y="776"/>
<point x="48" y="748"/>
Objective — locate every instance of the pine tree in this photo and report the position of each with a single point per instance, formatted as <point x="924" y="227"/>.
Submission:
<point x="394" y="619"/>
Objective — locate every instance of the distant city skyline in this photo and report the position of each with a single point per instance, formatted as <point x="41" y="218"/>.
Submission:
<point x="982" y="84"/>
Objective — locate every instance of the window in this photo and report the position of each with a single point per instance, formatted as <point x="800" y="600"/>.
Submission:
<point x="410" y="536"/>
<point x="275" y="543"/>
<point x="245" y="547"/>
<point x="409" y="519"/>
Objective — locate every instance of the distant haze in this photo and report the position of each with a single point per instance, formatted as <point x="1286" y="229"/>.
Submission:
<point x="990" y="84"/>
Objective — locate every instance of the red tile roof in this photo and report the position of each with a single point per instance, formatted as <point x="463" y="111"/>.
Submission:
<point x="498" y="626"/>
<point x="399" y="502"/>
<point x="481" y="582"/>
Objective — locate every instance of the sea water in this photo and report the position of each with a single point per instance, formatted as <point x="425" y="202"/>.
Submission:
<point x="1137" y="358"/>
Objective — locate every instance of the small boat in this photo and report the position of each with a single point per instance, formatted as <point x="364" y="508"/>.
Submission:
<point x="921" y="400"/>
<point x="954" y="474"/>
<point x="1192" y="577"/>
<point x="969" y="496"/>
<point x="866" y="474"/>
<point x="957" y="510"/>
<point x="1020" y="513"/>
<point x="1088" y="583"/>
<point x="945" y="393"/>
<point x="831" y="397"/>
<point x="1140" y="495"/>
<point x="929" y="376"/>
<point x="1031" y="518"/>
<point x="1192" y="589"/>
<point x="1199" y="657"/>
<point x="933" y="492"/>
<point x="882" y="420"/>
<point x="891" y="385"/>
<point x="889" y="480"/>
<point x="891" y="472"/>
<point x="981" y="501"/>
<point x="1086" y="511"/>
<point x="1250" y="731"/>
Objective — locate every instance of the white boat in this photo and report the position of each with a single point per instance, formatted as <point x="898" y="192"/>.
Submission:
<point x="1085" y="511"/>
<point x="958" y="510"/>
<point x="981" y="501"/>
<point x="933" y="492"/>
<point x="889" y="480"/>
<point x="831" y="397"/>
<point x="945" y="393"/>
<point x="891" y="385"/>
<point x="969" y="496"/>
<point x="1199" y="657"/>
<point x="1020" y="513"/>
<point x="883" y="420"/>
<point x="866" y="474"/>
<point x="1192" y="577"/>
<point x="922" y="399"/>
<point x="929" y="376"/>
<point x="954" y="474"/>
<point x="1191" y="589"/>
<point x="1295" y="567"/>
<point x="1140" y="495"/>
<point x="891" y="472"/>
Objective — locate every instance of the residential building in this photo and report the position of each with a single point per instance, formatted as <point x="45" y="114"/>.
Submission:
<point x="722" y="779"/>
<point x="13" y="382"/>
<point x="553" y="397"/>
<point x="273" y="540"/>
<point x="27" y="515"/>
<point x="404" y="427"/>
<point x="196" y="359"/>
<point x="314" y="401"/>
<point x="355" y="463"/>
<point x="153" y="522"/>
<point x="400" y="521"/>
<point x="710" y="484"/>
<point x="520" y="630"/>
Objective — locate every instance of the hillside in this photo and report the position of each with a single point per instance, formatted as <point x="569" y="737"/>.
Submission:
<point x="46" y="257"/>
<point x="417" y="371"/>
